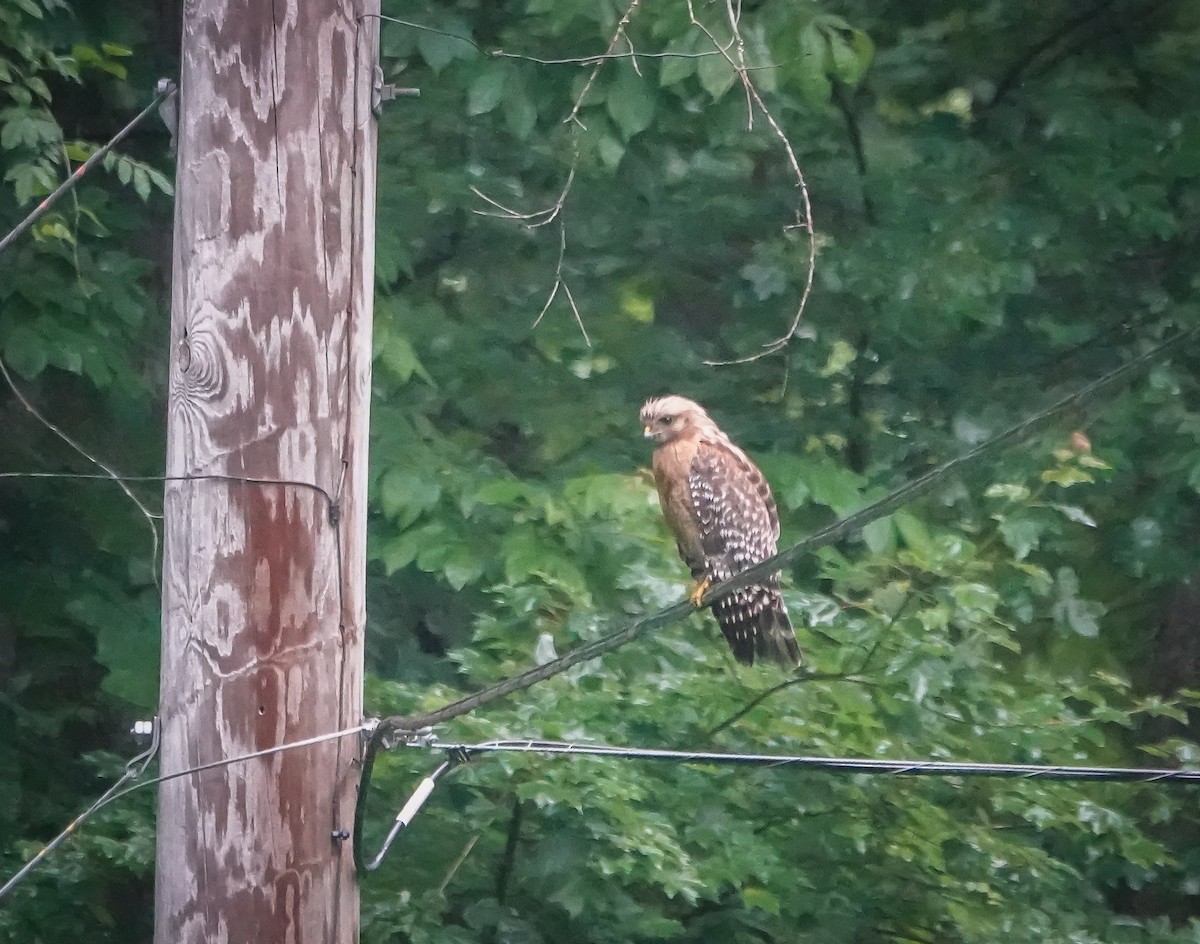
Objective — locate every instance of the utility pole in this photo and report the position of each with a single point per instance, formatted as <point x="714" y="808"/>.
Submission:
<point x="263" y="609"/>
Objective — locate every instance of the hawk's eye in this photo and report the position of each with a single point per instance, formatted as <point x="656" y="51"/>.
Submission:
<point x="666" y="420"/>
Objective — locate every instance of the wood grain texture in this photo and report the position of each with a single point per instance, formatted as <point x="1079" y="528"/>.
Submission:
<point x="269" y="378"/>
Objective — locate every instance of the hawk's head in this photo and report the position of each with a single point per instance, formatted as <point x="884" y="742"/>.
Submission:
<point x="665" y="419"/>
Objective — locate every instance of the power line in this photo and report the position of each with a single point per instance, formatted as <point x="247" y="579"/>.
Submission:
<point x="132" y="771"/>
<point x="165" y="88"/>
<point x="109" y="471"/>
<point x="854" y="765"/>
<point x="839" y="529"/>
<point x="462" y="753"/>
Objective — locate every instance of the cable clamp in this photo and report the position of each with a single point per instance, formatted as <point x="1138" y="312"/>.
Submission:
<point x="393" y="736"/>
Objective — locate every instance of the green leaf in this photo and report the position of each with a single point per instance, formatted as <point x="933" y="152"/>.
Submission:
<point x="1009" y="492"/>
<point x="20" y="128"/>
<point x="1079" y="614"/>
<point x="812" y="71"/>
<point x="462" y="567"/>
<point x="38" y="87"/>
<point x="25" y="350"/>
<point x="395" y="352"/>
<point x="760" y="58"/>
<point x="160" y="181"/>
<point x="1022" y="535"/>
<point x="405" y="494"/>
<point x="611" y="151"/>
<point x="1074" y="513"/>
<point x="913" y="531"/>
<point x="879" y="535"/>
<point x="833" y="485"/>
<point x="487" y="89"/>
<point x="753" y="897"/>
<point x="630" y="102"/>
<point x="841" y="356"/>
<point x="716" y="75"/>
<point x="141" y="182"/>
<point x="1066" y="476"/>
<point x="29" y="180"/>
<point x="523" y="556"/>
<point x="520" y="114"/>
<point x="675" y="69"/>
<point x="439" y="50"/>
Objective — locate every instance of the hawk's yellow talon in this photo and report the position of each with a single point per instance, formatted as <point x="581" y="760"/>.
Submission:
<point x="698" y="592"/>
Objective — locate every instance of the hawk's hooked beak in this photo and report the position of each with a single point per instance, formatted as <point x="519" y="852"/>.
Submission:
<point x="647" y="431"/>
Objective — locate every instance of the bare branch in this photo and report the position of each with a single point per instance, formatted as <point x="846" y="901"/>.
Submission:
<point x="575" y="309"/>
<point x="462" y="857"/>
<point x="617" y="36"/>
<point x="560" y="282"/>
<point x="536" y="218"/>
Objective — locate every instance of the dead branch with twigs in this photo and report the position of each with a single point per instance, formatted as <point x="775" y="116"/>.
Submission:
<point x="554" y="211"/>
<point x="733" y="50"/>
<point x="754" y="100"/>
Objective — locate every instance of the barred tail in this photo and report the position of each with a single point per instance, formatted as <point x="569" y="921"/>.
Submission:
<point x="756" y="625"/>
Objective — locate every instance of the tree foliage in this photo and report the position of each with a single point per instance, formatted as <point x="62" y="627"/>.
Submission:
<point x="1005" y="205"/>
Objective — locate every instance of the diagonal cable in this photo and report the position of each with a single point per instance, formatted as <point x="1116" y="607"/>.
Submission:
<point x="165" y="89"/>
<point x="839" y="529"/>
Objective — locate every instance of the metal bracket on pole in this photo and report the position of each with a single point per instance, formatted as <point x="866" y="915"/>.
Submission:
<point x="385" y="91"/>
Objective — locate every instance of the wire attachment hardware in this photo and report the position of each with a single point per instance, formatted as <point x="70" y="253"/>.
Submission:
<point x="386" y="91"/>
<point x="416" y="801"/>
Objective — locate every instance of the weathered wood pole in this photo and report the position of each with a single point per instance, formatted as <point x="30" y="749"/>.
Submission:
<point x="263" y="609"/>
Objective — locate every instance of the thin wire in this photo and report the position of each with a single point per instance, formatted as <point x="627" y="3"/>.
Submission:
<point x="854" y="765"/>
<point x="212" y="765"/>
<point x="110" y="472"/>
<point x="135" y="767"/>
<point x="424" y="28"/>
<point x="87" y="165"/>
<point x="331" y="504"/>
<point x="166" y="88"/>
<point x="843" y="527"/>
<point x="114" y="793"/>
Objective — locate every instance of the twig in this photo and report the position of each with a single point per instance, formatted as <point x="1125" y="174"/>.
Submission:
<point x="606" y="57"/>
<point x="1017" y="70"/>
<point x="560" y="282"/>
<point x="534" y="218"/>
<point x="462" y="857"/>
<point x="779" y="687"/>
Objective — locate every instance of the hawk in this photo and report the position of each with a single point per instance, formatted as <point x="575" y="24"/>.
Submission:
<point x="719" y="507"/>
